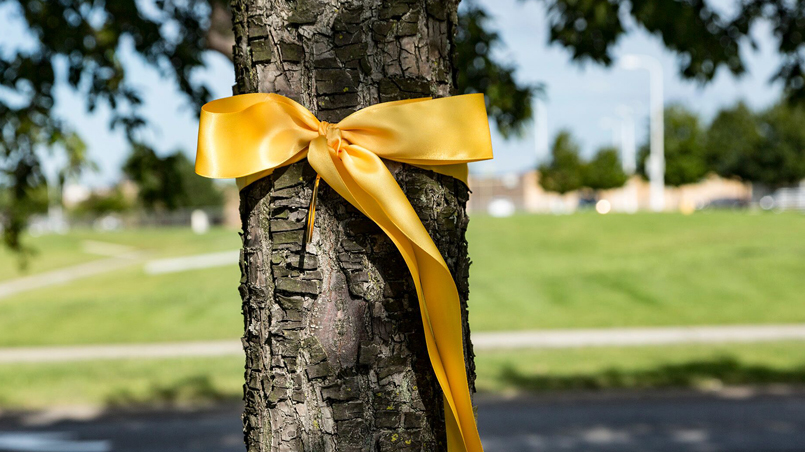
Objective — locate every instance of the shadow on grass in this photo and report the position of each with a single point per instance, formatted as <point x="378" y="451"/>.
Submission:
<point x="194" y="390"/>
<point x="696" y="374"/>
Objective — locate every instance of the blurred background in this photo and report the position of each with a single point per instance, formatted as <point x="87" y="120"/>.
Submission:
<point x="638" y="242"/>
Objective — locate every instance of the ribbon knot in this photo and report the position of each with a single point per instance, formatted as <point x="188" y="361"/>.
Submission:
<point x="332" y="134"/>
<point x="248" y="136"/>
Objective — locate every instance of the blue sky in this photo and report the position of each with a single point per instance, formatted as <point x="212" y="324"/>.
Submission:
<point x="579" y="98"/>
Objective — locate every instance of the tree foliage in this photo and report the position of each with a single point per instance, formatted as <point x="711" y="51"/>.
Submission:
<point x="508" y="103"/>
<point x="565" y="172"/>
<point x="733" y="138"/>
<point x="87" y="37"/>
<point x="97" y="203"/>
<point x="685" y="148"/>
<point x="766" y="147"/>
<point x="604" y="171"/>
<point x="704" y="38"/>
<point x="780" y="158"/>
<point x="78" y="43"/>
<point x="167" y="183"/>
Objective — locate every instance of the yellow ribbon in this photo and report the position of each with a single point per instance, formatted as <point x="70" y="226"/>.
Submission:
<point x="248" y="136"/>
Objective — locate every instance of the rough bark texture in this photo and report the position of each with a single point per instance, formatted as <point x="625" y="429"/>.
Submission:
<point x="335" y="351"/>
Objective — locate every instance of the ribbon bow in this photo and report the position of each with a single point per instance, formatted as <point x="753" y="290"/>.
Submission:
<point x="248" y="136"/>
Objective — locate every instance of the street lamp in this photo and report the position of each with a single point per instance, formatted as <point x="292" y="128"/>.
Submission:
<point x="541" y="130"/>
<point x="628" y="145"/>
<point x="655" y="166"/>
<point x="623" y="138"/>
<point x="628" y="155"/>
<point x="615" y="127"/>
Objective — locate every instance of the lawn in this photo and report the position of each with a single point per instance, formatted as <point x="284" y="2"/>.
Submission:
<point x="591" y="271"/>
<point x="121" y="382"/>
<point x="697" y="366"/>
<point x="126" y="306"/>
<point x="193" y="381"/>
<point x="528" y="272"/>
<point x="55" y="251"/>
<point x="50" y="252"/>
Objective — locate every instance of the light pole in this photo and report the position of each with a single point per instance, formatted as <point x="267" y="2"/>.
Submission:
<point x="628" y="144"/>
<point x="655" y="166"/>
<point x="628" y="155"/>
<point x="541" y="130"/>
<point x="615" y="127"/>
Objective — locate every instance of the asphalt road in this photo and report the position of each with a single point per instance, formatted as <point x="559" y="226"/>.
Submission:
<point x="623" y="423"/>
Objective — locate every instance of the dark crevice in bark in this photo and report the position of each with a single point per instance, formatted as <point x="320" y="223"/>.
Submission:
<point x="335" y="350"/>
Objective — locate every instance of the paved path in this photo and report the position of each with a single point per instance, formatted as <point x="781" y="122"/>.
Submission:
<point x="181" y="264"/>
<point x="118" y="351"/>
<point x="69" y="274"/>
<point x="481" y="341"/>
<point x="652" y="422"/>
<point x="122" y="257"/>
<point x="637" y="336"/>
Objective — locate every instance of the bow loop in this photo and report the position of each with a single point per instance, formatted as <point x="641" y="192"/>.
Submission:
<point x="248" y="136"/>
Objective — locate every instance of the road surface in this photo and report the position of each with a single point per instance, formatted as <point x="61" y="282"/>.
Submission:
<point x="656" y="422"/>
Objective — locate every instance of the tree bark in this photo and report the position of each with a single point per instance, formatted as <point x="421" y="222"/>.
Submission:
<point x="335" y="350"/>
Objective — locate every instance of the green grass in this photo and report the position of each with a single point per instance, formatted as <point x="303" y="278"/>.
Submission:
<point x="129" y="305"/>
<point x="193" y="381"/>
<point x="49" y="253"/>
<point x="58" y="251"/>
<point x="588" y="270"/>
<point x="126" y="306"/>
<point x="528" y="272"/>
<point x="121" y="382"/>
<point x="698" y="366"/>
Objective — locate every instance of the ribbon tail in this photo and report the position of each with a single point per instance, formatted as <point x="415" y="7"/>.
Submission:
<point x="362" y="178"/>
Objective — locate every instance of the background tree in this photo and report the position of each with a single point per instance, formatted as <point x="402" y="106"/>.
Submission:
<point x="565" y="172"/>
<point x="733" y="140"/>
<point x="507" y="102"/>
<point x="171" y="37"/>
<point x="167" y="183"/>
<point x="87" y="36"/>
<point x="97" y="204"/>
<point x="704" y="38"/>
<point x="17" y="206"/>
<point x="685" y="151"/>
<point x="780" y="158"/>
<point x="604" y="171"/>
<point x="766" y="148"/>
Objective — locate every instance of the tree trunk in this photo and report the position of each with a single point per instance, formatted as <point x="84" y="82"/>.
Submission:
<point x="335" y="351"/>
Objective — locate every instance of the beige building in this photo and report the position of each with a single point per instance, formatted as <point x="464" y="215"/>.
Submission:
<point x="499" y="194"/>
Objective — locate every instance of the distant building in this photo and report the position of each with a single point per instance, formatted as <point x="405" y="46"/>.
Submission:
<point x="231" y="209"/>
<point x="74" y="194"/>
<point x="525" y="194"/>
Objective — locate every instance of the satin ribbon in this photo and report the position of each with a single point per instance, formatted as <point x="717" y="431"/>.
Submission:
<point x="248" y="136"/>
